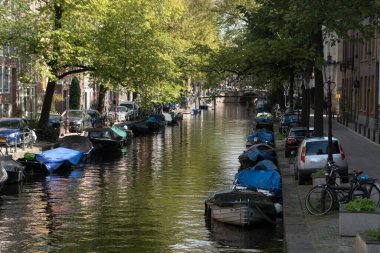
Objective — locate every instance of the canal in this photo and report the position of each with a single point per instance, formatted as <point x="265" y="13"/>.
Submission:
<point x="146" y="198"/>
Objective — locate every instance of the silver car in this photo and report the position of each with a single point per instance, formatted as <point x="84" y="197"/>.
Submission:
<point x="312" y="155"/>
<point x="120" y="111"/>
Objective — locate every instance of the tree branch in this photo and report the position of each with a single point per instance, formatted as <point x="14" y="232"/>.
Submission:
<point x="74" y="71"/>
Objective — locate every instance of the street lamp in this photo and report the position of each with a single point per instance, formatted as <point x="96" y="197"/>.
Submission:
<point x="329" y="71"/>
<point x="307" y="81"/>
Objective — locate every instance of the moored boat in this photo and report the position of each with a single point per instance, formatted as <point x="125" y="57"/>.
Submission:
<point x="107" y="138"/>
<point x="14" y="169"/>
<point x="3" y="175"/>
<point x="240" y="207"/>
<point x="70" y="150"/>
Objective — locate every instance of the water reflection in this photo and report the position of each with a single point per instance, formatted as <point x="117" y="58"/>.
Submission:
<point x="148" y="197"/>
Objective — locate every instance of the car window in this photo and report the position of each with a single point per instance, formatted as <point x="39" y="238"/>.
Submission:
<point x="75" y="114"/>
<point x="9" y="124"/>
<point x="119" y="109"/>
<point x="93" y="114"/>
<point x="320" y="148"/>
<point x="293" y="117"/>
<point x="297" y="133"/>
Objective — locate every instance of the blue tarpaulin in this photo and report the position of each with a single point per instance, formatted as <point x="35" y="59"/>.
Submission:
<point x="269" y="180"/>
<point x="262" y="135"/>
<point x="265" y="165"/>
<point x="54" y="158"/>
<point x="253" y="155"/>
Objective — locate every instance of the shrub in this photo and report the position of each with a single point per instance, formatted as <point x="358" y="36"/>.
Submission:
<point x="360" y="205"/>
<point x="74" y="100"/>
<point x="320" y="173"/>
<point x="372" y="234"/>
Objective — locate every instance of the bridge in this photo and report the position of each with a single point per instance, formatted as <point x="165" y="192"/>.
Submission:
<point x="242" y="96"/>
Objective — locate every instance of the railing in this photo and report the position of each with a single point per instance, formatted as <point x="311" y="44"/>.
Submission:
<point x="22" y="140"/>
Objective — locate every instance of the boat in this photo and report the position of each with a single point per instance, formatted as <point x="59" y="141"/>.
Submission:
<point x="195" y="111"/>
<point x="3" y="176"/>
<point x="257" y="153"/>
<point x="69" y="151"/>
<point x="240" y="207"/>
<point x="155" y="122"/>
<point x="260" y="136"/>
<point x="107" y="137"/>
<point x="14" y="169"/>
<point x="264" y="120"/>
<point x="168" y="118"/>
<point x="264" y="176"/>
<point x="142" y="128"/>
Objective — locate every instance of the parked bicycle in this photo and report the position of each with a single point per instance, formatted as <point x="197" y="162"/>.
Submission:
<point x="321" y="199"/>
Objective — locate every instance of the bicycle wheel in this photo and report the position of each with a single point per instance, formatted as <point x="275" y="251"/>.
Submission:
<point x="367" y="190"/>
<point x="319" y="200"/>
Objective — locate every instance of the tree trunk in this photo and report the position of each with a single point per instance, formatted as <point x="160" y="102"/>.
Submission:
<point x="319" y="96"/>
<point x="304" y="114"/>
<point x="101" y="98"/>
<point x="291" y="89"/>
<point x="46" y="106"/>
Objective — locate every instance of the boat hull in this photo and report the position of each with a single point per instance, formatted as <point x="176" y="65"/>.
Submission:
<point x="240" y="207"/>
<point x="241" y="215"/>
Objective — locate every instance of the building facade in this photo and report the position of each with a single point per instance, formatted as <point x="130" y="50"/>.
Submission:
<point x="359" y="67"/>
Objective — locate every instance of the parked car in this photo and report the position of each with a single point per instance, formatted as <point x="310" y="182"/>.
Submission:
<point x="15" y="131"/>
<point x="312" y="155"/>
<point x="294" y="138"/>
<point x="121" y="112"/>
<point x="55" y="121"/>
<point x="288" y="121"/>
<point x="132" y="109"/>
<point x="78" y="120"/>
<point x="96" y="118"/>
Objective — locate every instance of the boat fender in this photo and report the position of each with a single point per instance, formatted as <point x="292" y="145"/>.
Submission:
<point x="278" y="208"/>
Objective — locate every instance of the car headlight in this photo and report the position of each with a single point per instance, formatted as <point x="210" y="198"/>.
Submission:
<point x="13" y="135"/>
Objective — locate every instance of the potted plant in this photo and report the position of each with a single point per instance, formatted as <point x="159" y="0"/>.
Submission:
<point x="319" y="177"/>
<point x="358" y="215"/>
<point x="368" y="241"/>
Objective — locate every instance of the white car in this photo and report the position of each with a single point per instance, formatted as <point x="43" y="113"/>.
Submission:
<point x="121" y="112"/>
<point x="312" y="155"/>
<point x="133" y="109"/>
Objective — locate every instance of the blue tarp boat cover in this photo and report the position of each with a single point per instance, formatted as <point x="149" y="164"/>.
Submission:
<point x="265" y="165"/>
<point x="54" y="158"/>
<point x="269" y="180"/>
<point x="152" y="119"/>
<point x="262" y="135"/>
<point x="252" y="156"/>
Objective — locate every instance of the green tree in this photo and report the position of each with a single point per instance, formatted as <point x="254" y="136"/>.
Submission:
<point x="75" y="94"/>
<point x="274" y="40"/>
<point x="56" y="34"/>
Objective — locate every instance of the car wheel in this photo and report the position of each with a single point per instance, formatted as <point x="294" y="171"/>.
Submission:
<point x="295" y="173"/>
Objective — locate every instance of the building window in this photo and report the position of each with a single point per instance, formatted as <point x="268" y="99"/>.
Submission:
<point x="6" y="112"/>
<point x="7" y="79"/>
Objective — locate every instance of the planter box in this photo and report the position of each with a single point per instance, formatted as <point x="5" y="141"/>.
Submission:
<point x="352" y="222"/>
<point x="364" y="246"/>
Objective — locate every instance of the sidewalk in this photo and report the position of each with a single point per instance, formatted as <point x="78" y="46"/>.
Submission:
<point x="307" y="233"/>
<point x="303" y="232"/>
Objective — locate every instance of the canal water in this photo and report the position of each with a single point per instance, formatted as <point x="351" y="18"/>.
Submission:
<point x="146" y="198"/>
